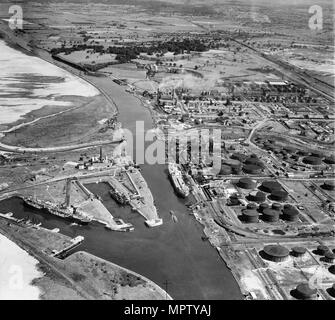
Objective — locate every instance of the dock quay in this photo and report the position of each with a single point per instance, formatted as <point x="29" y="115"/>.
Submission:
<point x="144" y="203"/>
<point x="75" y="242"/>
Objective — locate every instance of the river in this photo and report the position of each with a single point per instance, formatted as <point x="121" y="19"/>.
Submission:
<point x="173" y="255"/>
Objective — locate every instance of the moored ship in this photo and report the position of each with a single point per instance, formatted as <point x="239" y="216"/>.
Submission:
<point x="71" y="214"/>
<point x="177" y="180"/>
<point x="118" y="196"/>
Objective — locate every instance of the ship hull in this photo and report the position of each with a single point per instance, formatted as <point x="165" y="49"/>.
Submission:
<point x="70" y="218"/>
<point x="179" y="192"/>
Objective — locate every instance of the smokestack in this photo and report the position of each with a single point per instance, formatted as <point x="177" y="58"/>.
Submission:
<point x="101" y="156"/>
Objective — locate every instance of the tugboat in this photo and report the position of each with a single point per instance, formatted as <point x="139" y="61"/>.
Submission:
<point x="177" y="180"/>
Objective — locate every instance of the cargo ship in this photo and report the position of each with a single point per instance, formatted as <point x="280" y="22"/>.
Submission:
<point x="118" y="196"/>
<point x="71" y="214"/>
<point x="177" y="180"/>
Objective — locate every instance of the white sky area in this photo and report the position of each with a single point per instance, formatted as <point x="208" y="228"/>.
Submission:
<point x="17" y="270"/>
<point x="13" y="64"/>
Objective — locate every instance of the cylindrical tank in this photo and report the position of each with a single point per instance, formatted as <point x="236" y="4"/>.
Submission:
<point x="252" y="206"/>
<point x="250" y="216"/>
<point x="313" y="161"/>
<point x="329" y="185"/>
<point x="279" y="195"/>
<point x="298" y="251"/>
<point x="330" y="257"/>
<point x="332" y="269"/>
<point x="263" y="206"/>
<point x="270" y="185"/>
<point x="276" y="253"/>
<point x="252" y="169"/>
<point x="322" y="249"/>
<point x="329" y="160"/>
<point x="246" y="183"/>
<point x="270" y="215"/>
<point x="276" y="206"/>
<point x="290" y="214"/>
<point x="257" y="196"/>
<point x="331" y="290"/>
<point x="304" y="292"/>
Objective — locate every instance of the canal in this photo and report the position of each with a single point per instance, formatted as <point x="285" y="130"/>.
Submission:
<point x="173" y="253"/>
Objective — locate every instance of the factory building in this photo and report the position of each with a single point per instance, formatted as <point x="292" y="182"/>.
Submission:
<point x="304" y="292"/>
<point x="270" y="215"/>
<point x="298" y="251"/>
<point x="246" y="183"/>
<point x="250" y="216"/>
<point x="275" y="253"/>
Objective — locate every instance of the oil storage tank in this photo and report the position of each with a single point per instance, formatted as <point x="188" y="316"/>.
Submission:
<point x="299" y="251"/>
<point x="290" y="214"/>
<point x="257" y="196"/>
<point x="250" y="216"/>
<point x="269" y="186"/>
<point x="246" y="183"/>
<point x="313" y="161"/>
<point x="270" y="215"/>
<point x="304" y="292"/>
<point x="279" y="195"/>
<point x="330" y="257"/>
<point x="329" y="185"/>
<point x="275" y="253"/>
